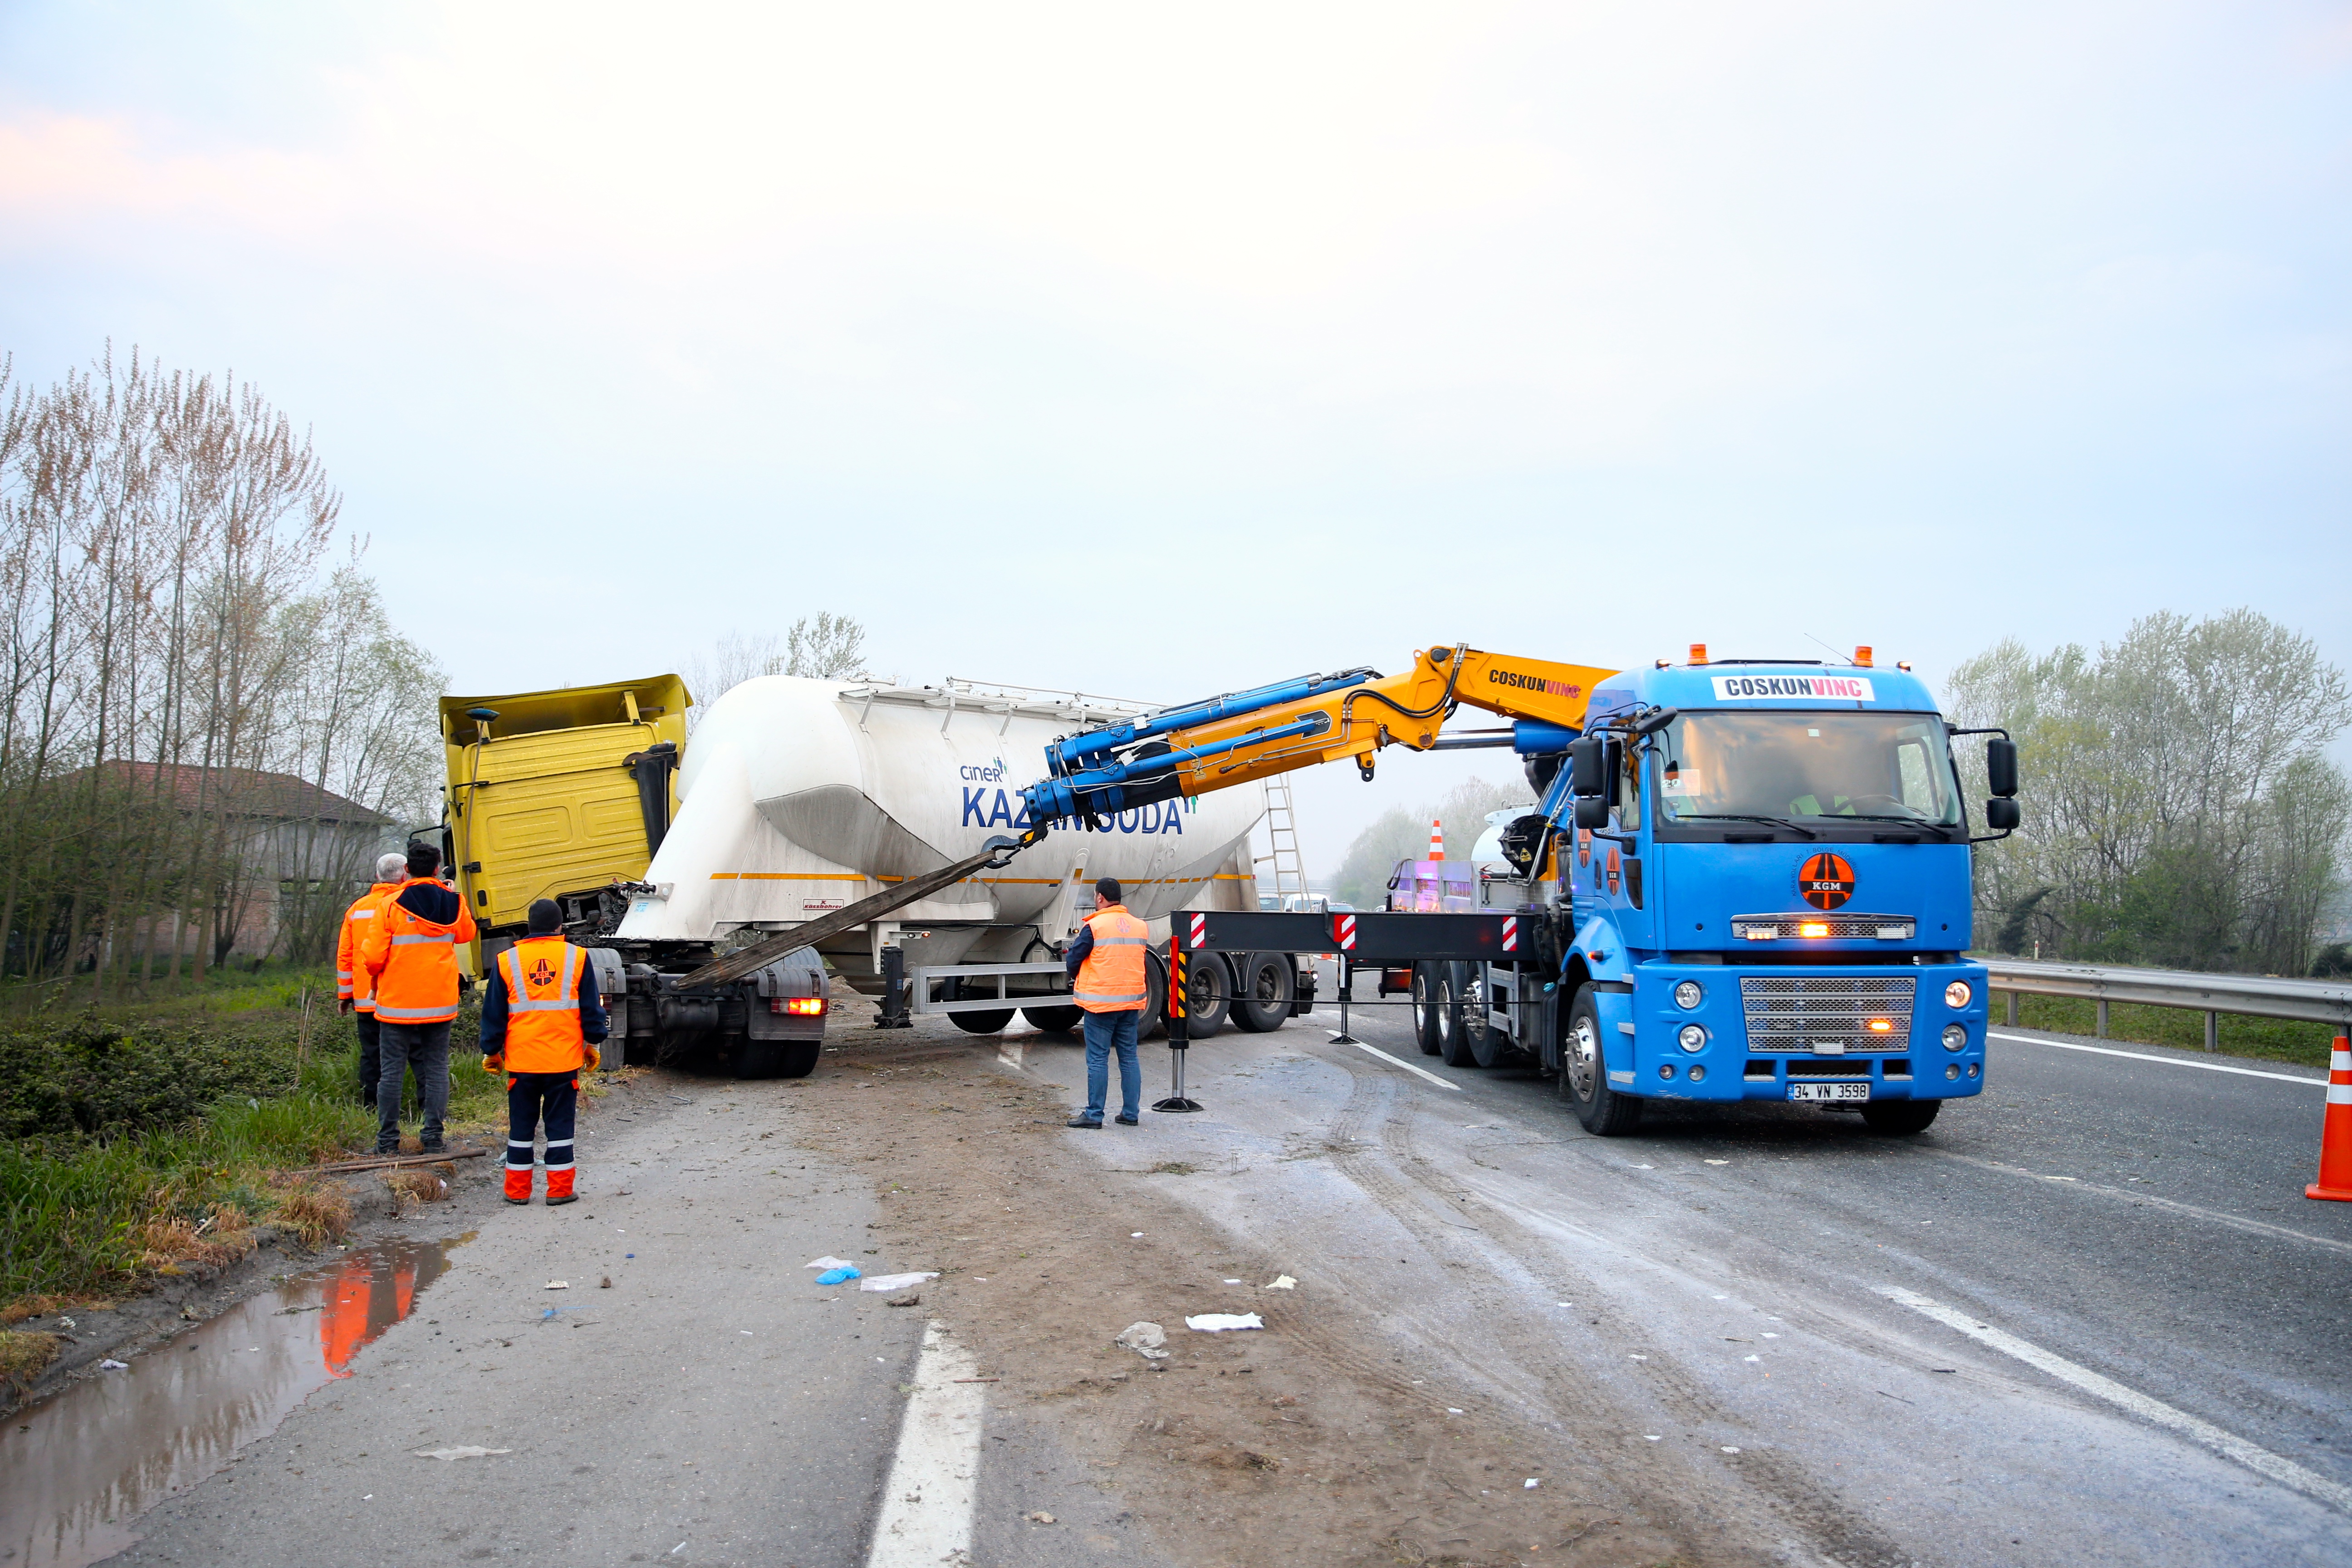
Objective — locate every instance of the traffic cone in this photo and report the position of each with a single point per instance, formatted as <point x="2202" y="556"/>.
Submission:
<point x="2336" y="1135"/>
<point x="1436" y="839"/>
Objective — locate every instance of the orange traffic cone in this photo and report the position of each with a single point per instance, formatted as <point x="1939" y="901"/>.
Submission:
<point x="2336" y="1135"/>
<point x="1436" y="839"/>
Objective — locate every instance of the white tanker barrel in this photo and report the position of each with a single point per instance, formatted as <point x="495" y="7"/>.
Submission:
<point x="800" y="798"/>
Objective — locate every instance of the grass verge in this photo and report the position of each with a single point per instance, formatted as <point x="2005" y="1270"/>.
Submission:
<point x="141" y="1141"/>
<point x="2268" y="1039"/>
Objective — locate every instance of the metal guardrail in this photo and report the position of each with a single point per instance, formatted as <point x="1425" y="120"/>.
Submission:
<point x="2253" y="995"/>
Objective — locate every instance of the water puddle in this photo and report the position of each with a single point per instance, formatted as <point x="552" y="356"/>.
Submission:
<point x="85" y="1463"/>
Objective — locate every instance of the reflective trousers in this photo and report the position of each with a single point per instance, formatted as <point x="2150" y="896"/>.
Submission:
<point x="1106" y="1033"/>
<point x="529" y="1097"/>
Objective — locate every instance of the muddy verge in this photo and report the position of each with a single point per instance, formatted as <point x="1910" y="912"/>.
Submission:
<point x="1311" y="1441"/>
<point x="199" y="1290"/>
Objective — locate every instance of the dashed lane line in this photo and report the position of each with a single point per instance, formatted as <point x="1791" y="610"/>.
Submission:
<point x="2228" y="1444"/>
<point x="1400" y="1062"/>
<point x="934" y="1487"/>
<point x="2319" y="1082"/>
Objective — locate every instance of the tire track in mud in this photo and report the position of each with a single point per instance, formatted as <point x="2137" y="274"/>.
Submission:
<point x="1783" y="1500"/>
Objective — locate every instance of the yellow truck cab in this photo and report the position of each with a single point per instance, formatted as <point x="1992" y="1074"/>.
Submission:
<point x="558" y="794"/>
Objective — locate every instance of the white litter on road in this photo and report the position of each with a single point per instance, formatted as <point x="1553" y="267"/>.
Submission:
<point x="559" y="1284"/>
<point x="468" y="1451"/>
<point x="1282" y="1282"/>
<point x="2228" y="1444"/>
<point x="110" y="1365"/>
<point x="1144" y="1340"/>
<point x="829" y="1263"/>
<point x="894" y="1281"/>
<point x="1219" y="1322"/>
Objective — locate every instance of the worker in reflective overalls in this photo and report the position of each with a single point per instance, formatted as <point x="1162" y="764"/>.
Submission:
<point x="541" y="1023"/>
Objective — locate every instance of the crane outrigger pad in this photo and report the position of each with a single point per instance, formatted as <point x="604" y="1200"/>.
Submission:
<point x="1385" y="938"/>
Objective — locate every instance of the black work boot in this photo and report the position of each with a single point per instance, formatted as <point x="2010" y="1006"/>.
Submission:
<point x="1088" y="1122"/>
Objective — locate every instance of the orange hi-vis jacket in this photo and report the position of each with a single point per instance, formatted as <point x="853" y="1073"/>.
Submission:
<point x="410" y="963"/>
<point x="542" y="979"/>
<point x="350" y="984"/>
<point x="1111" y="979"/>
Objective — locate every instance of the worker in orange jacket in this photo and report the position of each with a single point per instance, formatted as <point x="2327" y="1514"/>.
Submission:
<point x="351" y="994"/>
<point x="410" y="962"/>
<point x="543" y="1020"/>
<point x="1107" y="979"/>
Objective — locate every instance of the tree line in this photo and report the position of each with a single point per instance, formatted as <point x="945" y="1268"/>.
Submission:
<point x="2180" y="808"/>
<point x="189" y="683"/>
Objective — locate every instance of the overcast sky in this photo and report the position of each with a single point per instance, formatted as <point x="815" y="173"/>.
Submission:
<point x="1156" y="351"/>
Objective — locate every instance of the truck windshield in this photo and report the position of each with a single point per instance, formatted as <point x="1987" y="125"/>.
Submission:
<point x="1887" y="766"/>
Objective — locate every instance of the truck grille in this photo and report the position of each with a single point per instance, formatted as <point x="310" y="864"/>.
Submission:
<point x="1813" y="1012"/>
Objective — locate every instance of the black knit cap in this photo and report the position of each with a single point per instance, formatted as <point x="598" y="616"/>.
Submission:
<point x="546" y="919"/>
<point x="1106" y="890"/>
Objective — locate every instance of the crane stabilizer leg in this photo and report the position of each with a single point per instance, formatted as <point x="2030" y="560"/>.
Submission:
<point x="746" y="960"/>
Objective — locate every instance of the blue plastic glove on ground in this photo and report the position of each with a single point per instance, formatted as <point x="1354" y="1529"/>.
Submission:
<point x="835" y="1275"/>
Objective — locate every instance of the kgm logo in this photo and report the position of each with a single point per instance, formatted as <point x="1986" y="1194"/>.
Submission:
<point x="1825" y="881"/>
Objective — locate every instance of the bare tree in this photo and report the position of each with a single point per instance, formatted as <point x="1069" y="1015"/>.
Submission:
<point x="823" y="647"/>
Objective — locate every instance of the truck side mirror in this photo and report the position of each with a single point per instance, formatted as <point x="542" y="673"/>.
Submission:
<point x="2002" y="814"/>
<point x="1586" y="775"/>
<point x="1591" y="811"/>
<point x="2001" y="766"/>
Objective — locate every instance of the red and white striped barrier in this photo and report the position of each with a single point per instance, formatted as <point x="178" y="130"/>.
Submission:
<point x="1510" y="933"/>
<point x="1195" y="936"/>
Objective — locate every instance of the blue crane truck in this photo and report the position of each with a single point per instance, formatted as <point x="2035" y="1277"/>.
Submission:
<point x="1743" y="880"/>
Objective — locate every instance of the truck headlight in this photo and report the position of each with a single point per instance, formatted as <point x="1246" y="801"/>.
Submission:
<point x="1688" y="995"/>
<point x="1955" y="1037"/>
<point x="1959" y="995"/>
<point x="1693" y="1037"/>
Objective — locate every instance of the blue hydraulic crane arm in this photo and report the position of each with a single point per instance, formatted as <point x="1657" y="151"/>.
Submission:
<point x="1068" y="755"/>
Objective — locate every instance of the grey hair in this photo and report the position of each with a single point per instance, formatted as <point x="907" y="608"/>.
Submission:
<point x="391" y="868"/>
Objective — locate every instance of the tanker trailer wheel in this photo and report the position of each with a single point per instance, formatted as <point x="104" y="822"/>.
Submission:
<point x="1584" y="1074"/>
<point x="1054" y="1020"/>
<point x="990" y="1022"/>
<point x="1424" y="1007"/>
<point x="1262" y="1001"/>
<point x="1208" y="994"/>
<point x="1453" y="1028"/>
<point x="1153" y="1024"/>
<point x="1491" y="1046"/>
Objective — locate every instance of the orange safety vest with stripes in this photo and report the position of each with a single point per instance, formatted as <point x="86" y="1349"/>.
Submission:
<point x="351" y="981"/>
<point x="1111" y="977"/>
<point x="542" y="977"/>
<point x="410" y="963"/>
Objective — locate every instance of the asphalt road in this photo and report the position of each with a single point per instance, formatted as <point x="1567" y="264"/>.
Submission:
<point x="2088" y="1318"/>
<point x="2152" y="1362"/>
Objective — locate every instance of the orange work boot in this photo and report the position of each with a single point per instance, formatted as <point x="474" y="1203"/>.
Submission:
<point x="518" y="1185"/>
<point x="559" y="1188"/>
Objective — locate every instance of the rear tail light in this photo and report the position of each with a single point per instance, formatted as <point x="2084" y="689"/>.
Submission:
<point x="800" y="1006"/>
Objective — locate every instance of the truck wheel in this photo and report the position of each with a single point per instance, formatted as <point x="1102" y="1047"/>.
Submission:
<point x="1584" y="1074"/>
<point x="1424" y="1007"/>
<point x="1208" y="994"/>
<point x="1491" y="1046"/>
<point x="1900" y="1118"/>
<point x="773" y="1058"/>
<point x="1054" y="1020"/>
<point x="990" y="1022"/>
<point x="1452" y="1030"/>
<point x="1267" y="986"/>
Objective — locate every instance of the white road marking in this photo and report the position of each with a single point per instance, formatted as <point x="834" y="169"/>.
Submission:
<point x="2236" y="1222"/>
<point x="934" y="1485"/>
<point x="2228" y="1444"/>
<point x="2319" y="1082"/>
<point x="1417" y="1072"/>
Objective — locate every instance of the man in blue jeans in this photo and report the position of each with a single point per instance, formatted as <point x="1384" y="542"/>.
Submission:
<point x="1106" y="963"/>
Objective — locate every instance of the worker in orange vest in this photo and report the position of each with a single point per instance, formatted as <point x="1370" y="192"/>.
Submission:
<point x="410" y="962"/>
<point x="1106" y="966"/>
<point x="350" y="995"/>
<point x="541" y="1023"/>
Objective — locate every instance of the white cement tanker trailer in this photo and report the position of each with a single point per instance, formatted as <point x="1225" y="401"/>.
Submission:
<point x="796" y="797"/>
